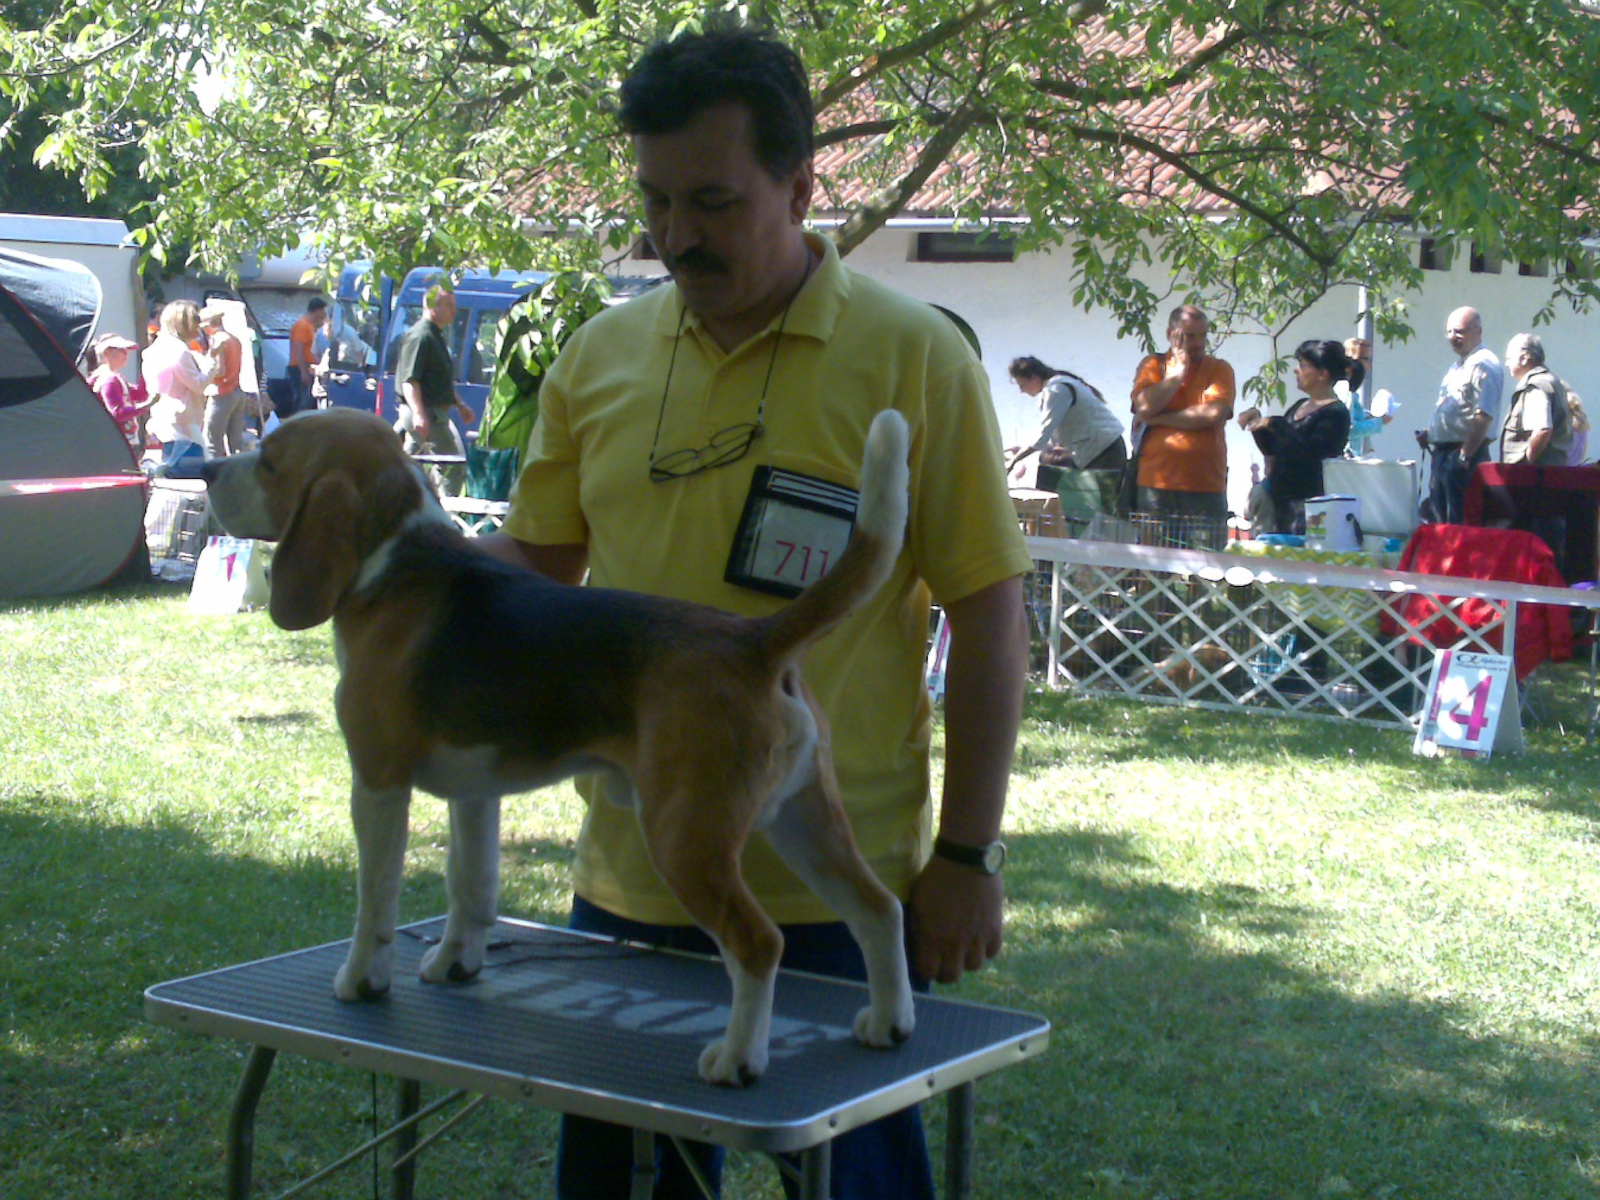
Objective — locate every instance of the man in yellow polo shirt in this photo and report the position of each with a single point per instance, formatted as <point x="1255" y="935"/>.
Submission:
<point x="755" y="376"/>
<point x="1184" y="399"/>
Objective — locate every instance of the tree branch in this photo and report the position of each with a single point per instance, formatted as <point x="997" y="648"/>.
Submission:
<point x="870" y="217"/>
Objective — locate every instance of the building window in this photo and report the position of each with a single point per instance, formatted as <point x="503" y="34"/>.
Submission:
<point x="986" y="247"/>
<point x="1436" y="255"/>
<point x="1485" y="261"/>
<point x="1538" y="269"/>
<point x="645" y="249"/>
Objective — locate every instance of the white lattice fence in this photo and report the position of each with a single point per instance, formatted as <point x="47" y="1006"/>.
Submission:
<point x="1217" y="631"/>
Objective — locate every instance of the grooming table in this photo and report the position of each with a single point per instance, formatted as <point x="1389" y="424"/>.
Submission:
<point x="600" y="1028"/>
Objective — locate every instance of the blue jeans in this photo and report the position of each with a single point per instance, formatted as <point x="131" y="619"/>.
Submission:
<point x="886" y="1160"/>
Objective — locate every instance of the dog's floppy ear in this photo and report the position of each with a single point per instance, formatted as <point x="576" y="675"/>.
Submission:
<point x="318" y="557"/>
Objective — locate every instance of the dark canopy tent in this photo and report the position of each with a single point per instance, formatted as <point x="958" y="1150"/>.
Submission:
<point x="62" y="296"/>
<point x="71" y="495"/>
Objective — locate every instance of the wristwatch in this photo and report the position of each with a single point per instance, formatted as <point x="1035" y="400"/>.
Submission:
<point x="987" y="859"/>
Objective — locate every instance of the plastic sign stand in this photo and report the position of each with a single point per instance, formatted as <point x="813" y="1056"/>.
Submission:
<point x="1467" y="695"/>
<point x="231" y="576"/>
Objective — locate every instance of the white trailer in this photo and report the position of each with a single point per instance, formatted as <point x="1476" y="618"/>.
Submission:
<point x="104" y="247"/>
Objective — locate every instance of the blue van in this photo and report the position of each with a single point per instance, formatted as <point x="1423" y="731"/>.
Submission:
<point x="357" y="322"/>
<point x="371" y="317"/>
<point x="482" y="299"/>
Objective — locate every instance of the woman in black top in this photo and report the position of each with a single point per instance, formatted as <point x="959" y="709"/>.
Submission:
<point x="1316" y="427"/>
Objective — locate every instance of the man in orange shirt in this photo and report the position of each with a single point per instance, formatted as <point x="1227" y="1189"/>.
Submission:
<point x="302" y="356"/>
<point x="224" y="419"/>
<point x="1183" y="400"/>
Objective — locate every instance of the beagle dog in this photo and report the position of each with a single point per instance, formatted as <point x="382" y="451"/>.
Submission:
<point x="472" y="679"/>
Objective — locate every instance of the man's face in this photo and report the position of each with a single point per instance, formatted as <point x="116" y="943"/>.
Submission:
<point x="443" y="312"/>
<point x="1517" y="361"/>
<point x="722" y="225"/>
<point x="319" y="317"/>
<point x="1359" y="350"/>
<point x="1464" y="333"/>
<point x="1189" y="335"/>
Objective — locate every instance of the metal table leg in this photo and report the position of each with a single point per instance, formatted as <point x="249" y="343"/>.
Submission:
<point x="644" y="1165"/>
<point x="409" y="1099"/>
<point x="958" y="1135"/>
<point x="240" y="1147"/>
<point x="816" y="1164"/>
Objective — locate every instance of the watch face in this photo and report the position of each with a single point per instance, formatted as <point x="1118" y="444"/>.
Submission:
<point x="994" y="857"/>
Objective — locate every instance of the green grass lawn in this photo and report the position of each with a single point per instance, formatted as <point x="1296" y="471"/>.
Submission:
<point x="1282" y="959"/>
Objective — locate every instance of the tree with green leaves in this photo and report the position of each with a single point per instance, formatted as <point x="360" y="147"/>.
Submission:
<point x="1261" y="151"/>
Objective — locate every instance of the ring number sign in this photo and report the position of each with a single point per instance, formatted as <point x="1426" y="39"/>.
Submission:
<point x="793" y="530"/>
<point x="1462" y="713"/>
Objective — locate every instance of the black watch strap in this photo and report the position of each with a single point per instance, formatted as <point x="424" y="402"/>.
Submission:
<point x="988" y="858"/>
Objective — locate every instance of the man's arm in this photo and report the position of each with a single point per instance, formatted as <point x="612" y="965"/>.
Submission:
<point x="1481" y="422"/>
<point x="1201" y="416"/>
<point x="1152" y="401"/>
<point x="421" y="423"/>
<point x="955" y="912"/>
<point x="1539" y="410"/>
<point x="1477" y="430"/>
<point x="564" y="563"/>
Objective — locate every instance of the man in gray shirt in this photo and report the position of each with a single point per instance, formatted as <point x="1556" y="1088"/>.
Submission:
<point x="1468" y="408"/>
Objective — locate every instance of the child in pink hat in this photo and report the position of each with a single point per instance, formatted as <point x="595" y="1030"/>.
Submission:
<point x="123" y="401"/>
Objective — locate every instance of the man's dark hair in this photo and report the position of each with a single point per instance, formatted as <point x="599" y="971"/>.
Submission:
<point x="316" y="304"/>
<point x="675" y="81"/>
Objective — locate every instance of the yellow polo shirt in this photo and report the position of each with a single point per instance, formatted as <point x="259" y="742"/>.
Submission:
<point x="850" y="347"/>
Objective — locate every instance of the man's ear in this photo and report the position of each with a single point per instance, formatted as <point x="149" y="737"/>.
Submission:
<point x="318" y="557"/>
<point x="801" y="186"/>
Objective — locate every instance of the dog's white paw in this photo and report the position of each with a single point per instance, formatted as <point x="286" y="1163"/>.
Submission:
<point x="364" y="977"/>
<point x="453" y="961"/>
<point x="725" y="1067"/>
<point x="883" y="1030"/>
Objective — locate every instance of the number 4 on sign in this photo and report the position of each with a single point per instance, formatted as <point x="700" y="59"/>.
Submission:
<point x="1465" y="699"/>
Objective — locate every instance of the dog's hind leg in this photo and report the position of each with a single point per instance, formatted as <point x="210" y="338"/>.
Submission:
<point x="472" y="880"/>
<point x="811" y="833"/>
<point x="380" y="818"/>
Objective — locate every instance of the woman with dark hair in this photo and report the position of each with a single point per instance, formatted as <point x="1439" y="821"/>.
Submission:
<point x="1076" y="428"/>
<point x="1315" y="428"/>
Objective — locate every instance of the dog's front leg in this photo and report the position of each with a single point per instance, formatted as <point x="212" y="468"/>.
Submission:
<point x="472" y="879"/>
<point x="380" y="817"/>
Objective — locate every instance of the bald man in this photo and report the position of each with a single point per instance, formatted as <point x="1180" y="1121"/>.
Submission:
<point x="1467" y="413"/>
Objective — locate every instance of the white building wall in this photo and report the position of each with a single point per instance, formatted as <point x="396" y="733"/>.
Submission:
<point x="1026" y="307"/>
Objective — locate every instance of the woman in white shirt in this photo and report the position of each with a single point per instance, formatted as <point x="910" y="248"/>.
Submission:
<point x="176" y="378"/>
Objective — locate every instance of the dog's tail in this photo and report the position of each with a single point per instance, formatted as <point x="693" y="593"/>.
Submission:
<point x="870" y="556"/>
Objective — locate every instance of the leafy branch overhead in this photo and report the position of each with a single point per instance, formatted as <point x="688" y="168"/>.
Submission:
<point x="1325" y="132"/>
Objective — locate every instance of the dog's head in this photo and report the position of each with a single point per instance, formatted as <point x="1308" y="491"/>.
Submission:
<point x="329" y="487"/>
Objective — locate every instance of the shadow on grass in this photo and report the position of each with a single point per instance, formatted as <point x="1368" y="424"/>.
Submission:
<point x="95" y="1102"/>
<point x="294" y="718"/>
<point x="1188" y="1061"/>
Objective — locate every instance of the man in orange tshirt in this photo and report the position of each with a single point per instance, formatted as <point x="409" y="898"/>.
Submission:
<point x="1183" y="399"/>
<point x="302" y="355"/>
<point x="223" y="432"/>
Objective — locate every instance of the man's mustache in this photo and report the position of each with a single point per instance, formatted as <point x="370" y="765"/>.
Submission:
<point x="697" y="260"/>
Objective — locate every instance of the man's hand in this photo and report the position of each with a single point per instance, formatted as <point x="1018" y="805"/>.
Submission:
<point x="1176" y="362"/>
<point x="1249" y="416"/>
<point x="466" y="414"/>
<point x="1422" y="438"/>
<point x="421" y="424"/>
<point x="955" y="919"/>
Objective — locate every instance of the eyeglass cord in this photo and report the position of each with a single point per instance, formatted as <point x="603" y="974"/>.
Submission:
<point x="772" y="362"/>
